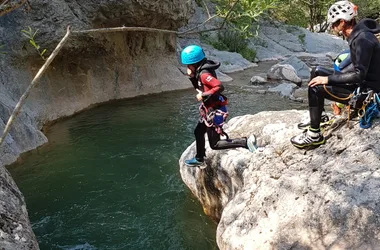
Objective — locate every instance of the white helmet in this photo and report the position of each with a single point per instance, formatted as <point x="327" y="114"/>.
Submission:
<point x="342" y="10"/>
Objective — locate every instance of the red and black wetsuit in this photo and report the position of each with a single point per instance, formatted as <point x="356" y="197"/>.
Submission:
<point x="205" y="80"/>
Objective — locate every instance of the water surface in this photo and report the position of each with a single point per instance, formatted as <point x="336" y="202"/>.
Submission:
<point x="109" y="177"/>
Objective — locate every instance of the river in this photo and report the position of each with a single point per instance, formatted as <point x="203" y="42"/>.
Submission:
<point x="109" y="177"/>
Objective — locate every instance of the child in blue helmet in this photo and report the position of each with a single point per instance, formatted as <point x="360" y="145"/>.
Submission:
<point x="213" y="109"/>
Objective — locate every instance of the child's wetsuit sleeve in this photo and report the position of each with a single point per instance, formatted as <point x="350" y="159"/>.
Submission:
<point x="211" y="84"/>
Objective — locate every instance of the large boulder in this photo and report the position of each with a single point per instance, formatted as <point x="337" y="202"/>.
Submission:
<point x="284" y="72"/>
<point x="286" y="198"/>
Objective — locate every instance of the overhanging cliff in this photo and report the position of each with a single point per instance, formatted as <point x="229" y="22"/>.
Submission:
<point x="90" y="69"/>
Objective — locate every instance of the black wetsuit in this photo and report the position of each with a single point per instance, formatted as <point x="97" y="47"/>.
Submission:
<point x="365" y="56"/>
<point x="205" y="80"/>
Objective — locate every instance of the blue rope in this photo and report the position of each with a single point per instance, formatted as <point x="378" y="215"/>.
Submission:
<point x="371" y="112"/>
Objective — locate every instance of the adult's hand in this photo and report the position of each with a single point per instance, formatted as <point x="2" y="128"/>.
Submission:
<point x="319" y="80"/>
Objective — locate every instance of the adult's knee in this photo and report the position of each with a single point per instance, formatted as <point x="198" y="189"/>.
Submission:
<point x="320" y="71"/>
<point x="315" y="90"/>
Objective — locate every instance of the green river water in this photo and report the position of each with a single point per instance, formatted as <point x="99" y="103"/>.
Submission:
<point x="109" y="177"/>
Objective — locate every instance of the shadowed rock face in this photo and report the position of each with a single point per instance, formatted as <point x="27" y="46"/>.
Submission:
<point x="286" y="198"/>
<point x="90" y="69"/>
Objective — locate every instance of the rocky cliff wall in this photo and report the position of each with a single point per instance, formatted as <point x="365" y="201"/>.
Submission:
<point x="90" y="69"/>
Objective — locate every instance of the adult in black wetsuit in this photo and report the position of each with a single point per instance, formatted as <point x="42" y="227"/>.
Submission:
<point x="365" y="56"/>
<point x="203" y="77"/>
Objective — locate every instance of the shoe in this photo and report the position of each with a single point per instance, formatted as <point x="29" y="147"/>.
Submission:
<point x="251" y="143"/>
<point x="307" y="139"/>
<point x="195" y="163"/>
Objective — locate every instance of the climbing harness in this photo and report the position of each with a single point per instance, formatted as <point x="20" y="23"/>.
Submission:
<point x="214" y="118"/>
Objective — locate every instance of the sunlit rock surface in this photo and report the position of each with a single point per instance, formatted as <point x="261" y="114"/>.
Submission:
<point x="287" y="198"/>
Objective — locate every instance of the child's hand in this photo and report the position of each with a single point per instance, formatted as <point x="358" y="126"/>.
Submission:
<point x="199" y="95"/>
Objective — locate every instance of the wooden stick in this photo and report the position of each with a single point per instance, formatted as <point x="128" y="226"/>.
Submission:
<point x="146" y="29"/>
<point x="32" y="84"/>
<point x="117" y="29"/>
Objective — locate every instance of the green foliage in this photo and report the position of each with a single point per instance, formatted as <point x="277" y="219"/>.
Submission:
<point x="232" y="41"/>
<point x="30" y="34"/>
<point x="304" y="13"/>
<point x="368" y="8"/>
<point x="243" y="13"/>
<point x="1" y="49"/>
<point x="301" y="38"/>
<point x="308" y="13"/>
<point x="248" y="53"/>
<point x="199" y="3"/>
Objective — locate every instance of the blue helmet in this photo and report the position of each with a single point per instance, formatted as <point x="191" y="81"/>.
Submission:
<point x="192" y="54"/>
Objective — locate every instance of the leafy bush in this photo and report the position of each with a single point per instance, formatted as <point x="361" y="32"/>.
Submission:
<point x="308" y="13"/>
<point x="242" y="14"/>
<point x="232" y="41"/>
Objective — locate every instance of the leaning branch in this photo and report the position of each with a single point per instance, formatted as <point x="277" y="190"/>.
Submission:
<point x="118" y="29"/>
<point x="32" y="84"/>
<point x="145" y="29"/>
<point x="229" y="13"/>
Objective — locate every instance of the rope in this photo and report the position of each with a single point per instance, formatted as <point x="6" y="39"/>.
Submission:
<point x="339" y="98"/>
<point x="371" y="112"/>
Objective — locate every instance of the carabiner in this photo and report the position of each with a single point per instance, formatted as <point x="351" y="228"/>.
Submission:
<point x="369" y="97"/>
<point x="361" y="111"/>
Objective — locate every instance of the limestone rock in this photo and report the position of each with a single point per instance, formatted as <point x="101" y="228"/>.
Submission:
<point x="284" y="89"/>
<point x="287" y="198"/>
<point x="15" y="230"/>
<point x="276" y="41"/>
<point x="284" y="72"/>
<point x="301" y="68"/>
<point x="258" y="80"/>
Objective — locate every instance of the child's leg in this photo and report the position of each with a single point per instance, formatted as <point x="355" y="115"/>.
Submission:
<point x="216" y="143"/>
<point x="199" y="133"/>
